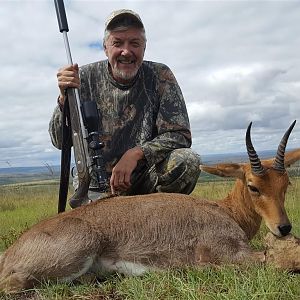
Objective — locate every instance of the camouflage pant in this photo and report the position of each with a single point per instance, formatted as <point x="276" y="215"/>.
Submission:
<point x="178" y="173"/>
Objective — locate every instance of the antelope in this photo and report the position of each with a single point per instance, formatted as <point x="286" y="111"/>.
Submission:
<point x="136" y="234"/>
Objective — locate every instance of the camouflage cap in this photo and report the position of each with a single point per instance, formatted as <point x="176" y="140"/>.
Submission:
<point x="118" y="17"/>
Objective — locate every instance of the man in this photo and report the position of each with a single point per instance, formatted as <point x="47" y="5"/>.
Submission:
<point x="145" y="125"/>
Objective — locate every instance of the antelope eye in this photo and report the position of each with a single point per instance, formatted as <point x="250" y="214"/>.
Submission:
<point x="253" y="189"/>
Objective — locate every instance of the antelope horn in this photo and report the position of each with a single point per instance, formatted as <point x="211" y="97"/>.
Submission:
<point x="256" y="165"/>
<point x="279" y="159"/>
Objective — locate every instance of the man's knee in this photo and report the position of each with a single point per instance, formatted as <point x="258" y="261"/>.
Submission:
<point x="180" y="171"/>
<point x="187" y="157"/>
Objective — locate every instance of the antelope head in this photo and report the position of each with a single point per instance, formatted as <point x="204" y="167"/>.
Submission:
<point x="267" y="183"/>
<point x="259" y="192"/>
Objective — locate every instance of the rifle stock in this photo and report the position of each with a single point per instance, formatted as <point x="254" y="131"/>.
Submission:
<point x="80" y="146"/>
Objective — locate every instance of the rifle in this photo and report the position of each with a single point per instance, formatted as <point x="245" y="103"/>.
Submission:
<point x="81" y="122"/>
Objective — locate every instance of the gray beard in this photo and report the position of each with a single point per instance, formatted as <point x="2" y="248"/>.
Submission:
<point x="125" y="75"/>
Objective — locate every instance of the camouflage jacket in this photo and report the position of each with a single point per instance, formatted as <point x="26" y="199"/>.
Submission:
<point x="150" y="112"/>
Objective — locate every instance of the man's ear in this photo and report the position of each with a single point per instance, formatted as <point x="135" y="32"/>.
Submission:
<point x="105" y="49"/>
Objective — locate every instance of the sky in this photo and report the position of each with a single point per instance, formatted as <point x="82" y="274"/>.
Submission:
<point x="235" y="61"/>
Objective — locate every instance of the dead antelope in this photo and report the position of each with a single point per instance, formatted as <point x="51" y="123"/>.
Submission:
<point x="134" y="234"/>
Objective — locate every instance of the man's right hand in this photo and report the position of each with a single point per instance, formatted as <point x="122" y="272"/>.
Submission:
<point x="121" y="173"/>
<point x="67" y="77"/>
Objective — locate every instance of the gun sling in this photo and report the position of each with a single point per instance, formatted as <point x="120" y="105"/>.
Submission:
<point x="65" y="158"/>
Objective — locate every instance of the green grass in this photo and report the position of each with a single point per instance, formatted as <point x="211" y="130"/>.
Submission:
<point x="23" y="205"/>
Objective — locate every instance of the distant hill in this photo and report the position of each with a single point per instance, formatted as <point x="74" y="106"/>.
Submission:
<point x="46" y="172"/>
<point x="27" y="174"/>
<point x="234" y="157"/>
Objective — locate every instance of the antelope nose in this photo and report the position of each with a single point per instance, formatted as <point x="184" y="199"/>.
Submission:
<point x="285" y="229"/>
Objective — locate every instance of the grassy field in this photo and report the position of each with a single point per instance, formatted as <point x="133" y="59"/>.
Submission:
<point x="22" y="205"/>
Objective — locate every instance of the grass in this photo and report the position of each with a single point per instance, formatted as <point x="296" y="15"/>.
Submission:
<point x="22" y="205"/>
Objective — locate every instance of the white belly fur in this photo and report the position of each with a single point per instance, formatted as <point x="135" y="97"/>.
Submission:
<point x="125" y="267"/>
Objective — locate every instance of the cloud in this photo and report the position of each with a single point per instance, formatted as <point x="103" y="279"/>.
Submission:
<point x="236" y="62"/>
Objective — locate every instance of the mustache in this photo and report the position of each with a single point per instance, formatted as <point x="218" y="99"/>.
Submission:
<point x="124" y="59"/>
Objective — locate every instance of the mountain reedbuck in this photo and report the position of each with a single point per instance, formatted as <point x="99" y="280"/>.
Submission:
<point x="133" y="234"/>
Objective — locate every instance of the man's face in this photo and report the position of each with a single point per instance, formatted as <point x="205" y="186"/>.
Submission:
<point x="125" y="52"/>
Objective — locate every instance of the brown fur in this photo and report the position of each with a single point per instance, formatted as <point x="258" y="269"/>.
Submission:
<point x="151" y="232"/>
<point x="283" y="253"/>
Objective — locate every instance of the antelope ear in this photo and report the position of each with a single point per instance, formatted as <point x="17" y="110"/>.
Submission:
<point x="225" y="170"/>
<point x="291" y="157"/>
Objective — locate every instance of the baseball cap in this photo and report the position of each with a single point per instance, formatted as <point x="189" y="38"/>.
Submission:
<point x="123" y="17"/>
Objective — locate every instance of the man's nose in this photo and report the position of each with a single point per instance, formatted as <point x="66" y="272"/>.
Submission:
<point x="125" y="52"/>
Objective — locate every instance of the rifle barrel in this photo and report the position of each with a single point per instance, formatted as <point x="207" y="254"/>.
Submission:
<point x="61" y="15"/>
<point x="63" y="27"/>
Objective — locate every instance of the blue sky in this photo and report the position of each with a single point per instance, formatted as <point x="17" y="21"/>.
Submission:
<point x="236" y="62"/>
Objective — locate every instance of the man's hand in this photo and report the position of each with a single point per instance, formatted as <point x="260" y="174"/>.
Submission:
<point x="67" y="77"/>
<point x="121" y="173"/>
